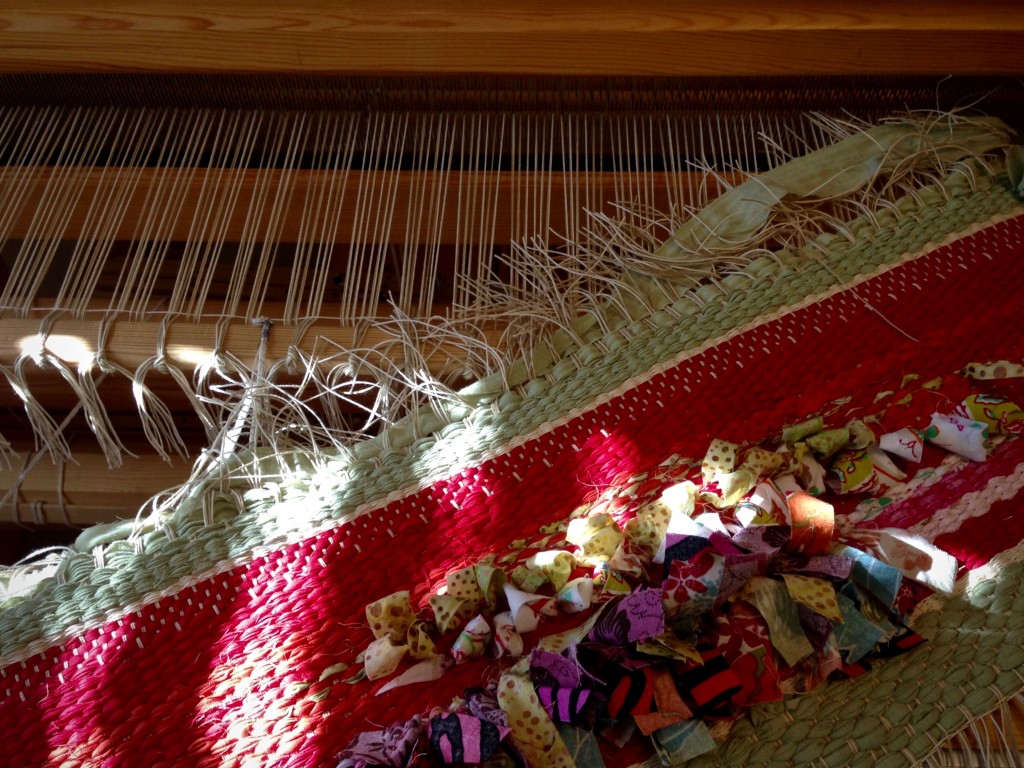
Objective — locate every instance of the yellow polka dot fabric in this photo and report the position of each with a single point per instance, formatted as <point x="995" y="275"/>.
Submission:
<point x="390" y="616"/>
<point x="762" y="462"/>
<point x="730" y="488"/>
<point x="719" y="460"/>
<point x="1000" y="369"/>
<point x="532" y="729"/>
<point x="816" y="594"/>
<point x="647" y="530"/>
<point x="446" y="611"/>
<point x="382" y="657"/>
<point x="528" y="579"/>
<point x="421" y="644"/>
<point x="463" y="585"/>
<point x="491" y="581"/>
<point x="598" y="536"/>
<point x="555" y="565"/>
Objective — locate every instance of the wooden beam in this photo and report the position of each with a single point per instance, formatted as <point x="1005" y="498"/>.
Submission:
<point x="188" y="344"/>
<point x="597" y="37"/>
<point x="92" y="492"/>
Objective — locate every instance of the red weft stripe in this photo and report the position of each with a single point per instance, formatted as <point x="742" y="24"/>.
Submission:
<point x="971" y="477"/>
<point x="219" y="689"/>
<point x="979" y="539"/>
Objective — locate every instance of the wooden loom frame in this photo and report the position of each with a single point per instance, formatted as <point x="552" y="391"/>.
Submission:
<point x="367" y="38"/>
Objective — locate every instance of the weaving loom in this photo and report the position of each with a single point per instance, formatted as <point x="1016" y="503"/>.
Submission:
<point x="482" y="331"/>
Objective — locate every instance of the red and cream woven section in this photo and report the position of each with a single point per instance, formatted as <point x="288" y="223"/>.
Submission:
<point x="231" y="670"/>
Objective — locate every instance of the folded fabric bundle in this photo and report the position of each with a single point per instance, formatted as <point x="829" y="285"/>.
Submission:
<point x="764" y="518"/>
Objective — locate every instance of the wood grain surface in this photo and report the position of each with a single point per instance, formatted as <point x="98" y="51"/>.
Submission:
<point x="599" y="37"/>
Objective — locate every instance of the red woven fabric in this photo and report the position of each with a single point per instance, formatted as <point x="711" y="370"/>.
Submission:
<point x="210" y="676"/>
<point x="970" y="478"/>
<point x="979" y="539"/>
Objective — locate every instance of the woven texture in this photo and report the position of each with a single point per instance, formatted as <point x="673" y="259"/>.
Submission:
<point x="192" y="548"/>
<point x="221" y="644"/>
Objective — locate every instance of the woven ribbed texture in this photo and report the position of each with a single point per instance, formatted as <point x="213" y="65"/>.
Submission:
<point x="227" y="670"/>
<point x="91" y="594"/>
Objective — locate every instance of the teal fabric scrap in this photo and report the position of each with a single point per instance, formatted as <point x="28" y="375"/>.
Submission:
<point x="682" y="742"/>
<point x="855" y="636"/>
<point x="880" y="579"/>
